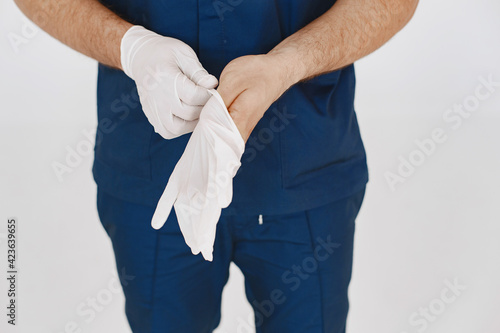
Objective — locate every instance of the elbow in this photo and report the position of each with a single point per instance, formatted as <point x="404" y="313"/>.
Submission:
<point x="399" y="11"/>
<point x="412" y="7"/>
<point x="407" y="9"/>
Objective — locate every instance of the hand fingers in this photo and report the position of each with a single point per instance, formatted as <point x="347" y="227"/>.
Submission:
<point x="188" y="112"/>
<point x="204" y="79"/>
<point x="193" y="69"/>
<point x="150" y="110"/>
<point x="189" y="92"/>
<point x="165" y="123"/>
<point x="178" y="126"/>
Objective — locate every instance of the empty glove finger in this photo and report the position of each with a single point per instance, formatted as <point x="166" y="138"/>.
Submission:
<point x="208" y="228"/>
<point x="188" y="218"/>
<point x="165" y="204"/>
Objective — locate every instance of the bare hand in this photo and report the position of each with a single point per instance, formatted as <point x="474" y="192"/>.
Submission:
<point x="250" y="84"/>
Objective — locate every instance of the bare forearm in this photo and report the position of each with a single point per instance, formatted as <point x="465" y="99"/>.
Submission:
<point x="350" y="30"/>
<point x="84" y="25"/>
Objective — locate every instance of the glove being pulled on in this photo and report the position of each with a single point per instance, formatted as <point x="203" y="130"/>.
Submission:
<point x="171" y="82"/>
<point x="202" y="181"/>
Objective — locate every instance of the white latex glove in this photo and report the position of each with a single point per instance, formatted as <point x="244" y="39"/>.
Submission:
<point x="171" y="82"/>
<point x="202" y="181"/>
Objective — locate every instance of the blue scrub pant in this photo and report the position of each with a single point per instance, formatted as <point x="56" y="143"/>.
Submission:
<point x="297" y="268"/>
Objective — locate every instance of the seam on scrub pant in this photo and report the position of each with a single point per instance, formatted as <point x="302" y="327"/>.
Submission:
<point x="250" y="296"/>
<point x="311" y="240"/>
<point x="153" y="282"/>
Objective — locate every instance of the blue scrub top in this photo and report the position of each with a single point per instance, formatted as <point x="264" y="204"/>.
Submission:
<point x="305" y="152"/>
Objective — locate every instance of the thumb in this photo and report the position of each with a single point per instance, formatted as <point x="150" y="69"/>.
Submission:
<point x="193" y="69"/>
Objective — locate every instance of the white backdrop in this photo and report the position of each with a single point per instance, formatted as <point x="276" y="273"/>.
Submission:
<point x="435" y="227"/>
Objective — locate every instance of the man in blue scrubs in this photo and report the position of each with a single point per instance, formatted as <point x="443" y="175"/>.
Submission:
<point x="285" y="73"/>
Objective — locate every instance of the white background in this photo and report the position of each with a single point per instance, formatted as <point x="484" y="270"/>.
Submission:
<point x="441" y="224"/>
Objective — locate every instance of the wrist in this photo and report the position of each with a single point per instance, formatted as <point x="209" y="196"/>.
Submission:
<point x="131" y="42"/>
<point x="291" y="66"/>
<point x="121" y="29"/>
